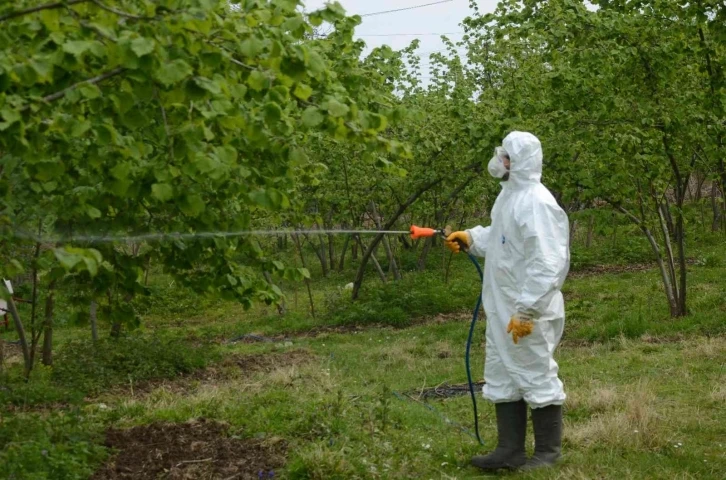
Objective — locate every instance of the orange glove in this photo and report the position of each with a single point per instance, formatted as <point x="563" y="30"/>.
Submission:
<point x="461" y="236"/>
<point x="520" y="325"/>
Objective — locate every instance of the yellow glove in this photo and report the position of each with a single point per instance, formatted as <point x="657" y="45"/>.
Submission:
<point x="520" y="325"/>
<point x="452" y="243"/>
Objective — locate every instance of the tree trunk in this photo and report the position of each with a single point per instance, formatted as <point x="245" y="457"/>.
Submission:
<point x="421" y="262"/>
<point x="716" y="207"/>
<point x="668" y="216"/>
<point x="116" y="325"/>
<point x="669" y="248"/>
<point x="21" y="335"/>
<point x="48" y="326"/>
<point x="34" y="333"/>
<point x="93" y="314"/>
<point x="680" y="232"/>
<point x="379" y="269"/>
<point x="354" y="251"/>
<point x="146" y="271"/>
<point x="319" y="250"/>
<point x="701" y="180"/>
<point x="331" y="238"/>
<point x="590" y="230"/>
<point x="307" y="280"/>
<point x="281" y="309"/>
<point x="391" y="221"/>
<point x="341" y="264"/>
<point x="665" y="277"/>
<point x="331" y="250"/>
<point x="573" y="230"/>
<point x="386" y="244"/>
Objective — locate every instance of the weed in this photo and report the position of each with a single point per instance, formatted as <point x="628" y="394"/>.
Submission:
<point x="57" y="445"/>
<point x="89" y="367"/>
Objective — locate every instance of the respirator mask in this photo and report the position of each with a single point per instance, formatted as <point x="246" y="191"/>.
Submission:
<point x="496" y="164"/>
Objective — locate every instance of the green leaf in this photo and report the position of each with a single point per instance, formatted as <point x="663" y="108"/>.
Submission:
<point x="79" y="128"/>
<point x="173" y="72"/>
<point x="316" y="64"/>
<point x="10" y="115"/>
<point x="50" y="19"/>
<point x="93" y="212"/>
<point x="263" y="199"/>
<point x="106" y="134"/>
<point x="251" y="47"/>
<point x="280" y="94"/>
<point x="90" y="91"/>
<point x="192" y="205"/>
<point x="209" y="85"/>
<point x="77" y="47"/>
<point x="312" y="117"/>
<point x="121" y="170"/>
<point x="67" y="259"/>
<point x="43" y="68"/>
<point x="162" y="191"/>
<point x="226" y="154"/>
<point x="257" y="81"/>
<point x="91" y="266"/>
<point x="14" y="269"/>
<point x="142" y="46"/>
<point x="298" y="156"/>
<point x="239" y="91"/>
<point x="303" y="91"/>
<point x="273" y="112"/>
<point x="335" y="108"/>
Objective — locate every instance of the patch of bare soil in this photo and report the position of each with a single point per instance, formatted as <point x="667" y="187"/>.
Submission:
<point x="232" y="366"/>
<point x="344" y="329"/>
<point x="200" y="449"/>
<point x="616" y="269"/>
<point x="266" y="362"/>
<point x="612" y="269"/>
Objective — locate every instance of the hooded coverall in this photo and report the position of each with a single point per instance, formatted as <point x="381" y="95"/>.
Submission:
<point x="527" y="259"/>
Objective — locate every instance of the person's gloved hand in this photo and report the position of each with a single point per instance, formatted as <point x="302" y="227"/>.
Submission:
<point x="520" y="325"/>
<point x="461" y="236"/>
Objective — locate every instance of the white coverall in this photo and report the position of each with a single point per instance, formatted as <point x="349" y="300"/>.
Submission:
<point x="527" y="259"/>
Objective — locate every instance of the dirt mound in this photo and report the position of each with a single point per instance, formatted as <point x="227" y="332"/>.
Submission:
<point x="194" y="450"/>
<point x="267" y="362"/>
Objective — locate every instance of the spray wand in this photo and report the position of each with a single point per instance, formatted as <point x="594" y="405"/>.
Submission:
<point x="423" y="232"/>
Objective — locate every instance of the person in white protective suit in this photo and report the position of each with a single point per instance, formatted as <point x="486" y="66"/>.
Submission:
<point x="527" y="259"/>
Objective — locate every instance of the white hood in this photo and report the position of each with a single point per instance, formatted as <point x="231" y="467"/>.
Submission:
<point x="525" y="153"/>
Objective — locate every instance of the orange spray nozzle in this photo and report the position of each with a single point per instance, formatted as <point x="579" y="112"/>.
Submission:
<point x="419" y="232"/>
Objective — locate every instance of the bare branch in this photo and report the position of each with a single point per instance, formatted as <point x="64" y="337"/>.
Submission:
<point x="47" y="6"/>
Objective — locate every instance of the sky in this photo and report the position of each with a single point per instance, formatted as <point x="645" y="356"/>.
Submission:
<point x="386" y="29"/>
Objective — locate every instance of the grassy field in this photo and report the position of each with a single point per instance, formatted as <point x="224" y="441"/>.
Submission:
<point x="341" y="396"/>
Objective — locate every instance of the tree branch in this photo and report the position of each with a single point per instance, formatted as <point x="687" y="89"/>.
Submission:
<point x="47" y="6"/>
<point x="91" y="81"/>
<point x="166" y="125"/>
<point x="119" y="12"/>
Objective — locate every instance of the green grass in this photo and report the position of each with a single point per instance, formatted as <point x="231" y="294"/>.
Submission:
<point x="646" y="395"/>
<point x="635" y="409"/>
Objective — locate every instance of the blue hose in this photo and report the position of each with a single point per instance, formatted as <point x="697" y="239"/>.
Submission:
<point x="474" y="318"/>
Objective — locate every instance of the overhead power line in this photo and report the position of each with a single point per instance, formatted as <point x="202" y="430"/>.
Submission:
<point x="403" y="9"/>
<point x="407" y="34"/>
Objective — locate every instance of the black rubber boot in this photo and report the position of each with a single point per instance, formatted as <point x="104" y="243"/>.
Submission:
<point x="547" y="423"/>
<point x="511" y="432"/>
